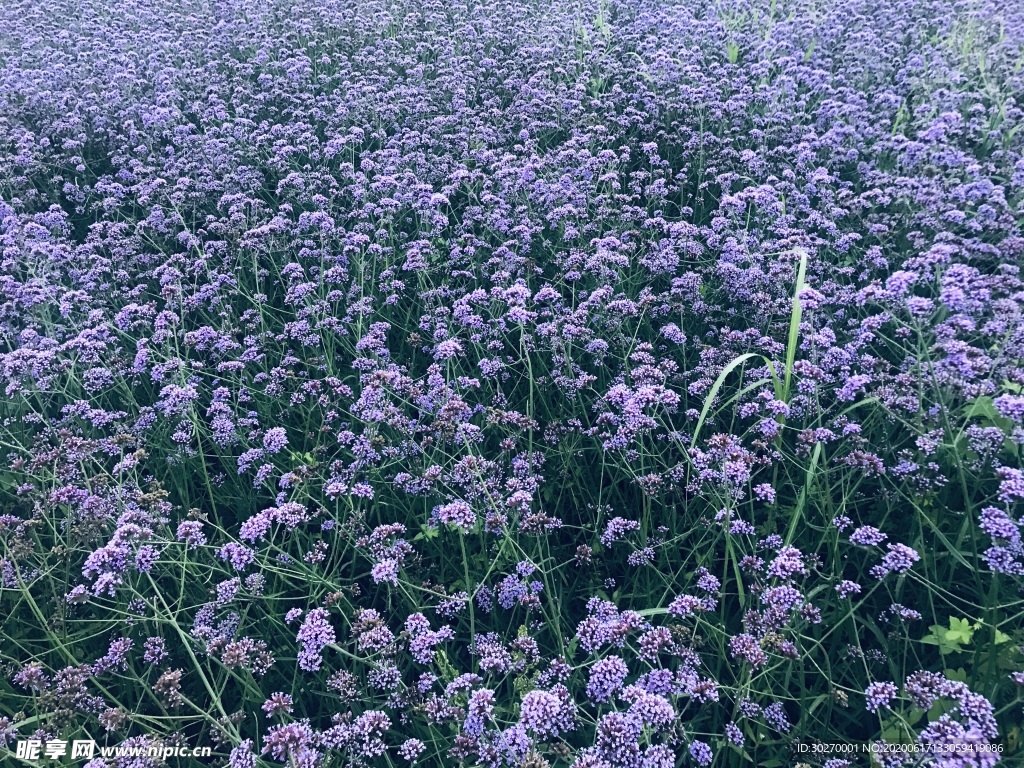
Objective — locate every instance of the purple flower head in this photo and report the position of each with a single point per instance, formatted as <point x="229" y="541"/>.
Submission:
<point x="548" y="713"/>
<point x="867" y="536"/>
<point x="277" y="704"/>
<point x="747" y="648"/>
<point x="1010" y="407"/>
<point x="606" y="679"/>
<point x="155" y="650"/>
<point x="243" y="756"/>
<point x="788" y="562"/>
<point x="701" y="753"/>
<point x="315" y="634"/>
<point x="898" y="559"/>
<point x="616" y="529"/>
<point x="879" y="695"/>
<point x="846" y="588"/>
<point x="191" y="532"/>
<point x="999" y="525"/>
<point x="457" y="514"/>
<point x="411" y="749"/>
<point x="275" y="440"/>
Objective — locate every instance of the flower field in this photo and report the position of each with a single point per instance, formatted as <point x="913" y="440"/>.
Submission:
<point x="513" y="383"/>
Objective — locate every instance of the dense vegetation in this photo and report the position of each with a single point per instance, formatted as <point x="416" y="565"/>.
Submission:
<point x="607" y="384"/>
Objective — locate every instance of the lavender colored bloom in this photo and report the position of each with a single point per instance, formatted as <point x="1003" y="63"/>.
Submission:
<point x="424" y="640"/>
<point x="243" y="756"/>
<point x="846" y="588"/>
<point x="315" y="634"/>
<point x="411" y="749"/>
<point x="606" y="678"/>
<point x="899" y="559"/>
<point x="1010" y="407"/>
<point x="385" y="571"/>
<point x="787" y="563"/>
<point x="191" y="532"/>
<point x="31" y="677"/>
<point x="775" y="716"/>
<point x="116" y="657"/>
<point x="701" y="752"/>
<point x="155" y="650"/>
<point x="238" y="555"/>
<point x="879" y="695"/>
<point x="275" y="440"/>
<point x="867" y="536"/>
<point x="1011" y="485"/>
<point x="734" y="735"/>
<point x="747" y="648"/>
<point x="291" y="741"/>
<point x="997" y="524"/>
<point x="548" y="713"/>
<point x="457" y="514"/>
<point x="842" y="523"/>
<point x="277" y="703"/>
<point x="616" y="529"/>
<point x="478" y="711"/>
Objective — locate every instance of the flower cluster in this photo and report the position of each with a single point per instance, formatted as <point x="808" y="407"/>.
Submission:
<point x="610" y="384"/>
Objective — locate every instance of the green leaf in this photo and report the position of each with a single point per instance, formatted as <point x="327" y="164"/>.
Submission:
<point x="947" y="640"/>
<point x="939" y="708"/>
<point x="794" y="323"/>
<point x="982" y="406"/>
<point x="960" y="631"/>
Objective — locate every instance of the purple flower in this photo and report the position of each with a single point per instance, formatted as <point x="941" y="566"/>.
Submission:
<point x="275" y="440"/>
<point x="846" y="588"/>
<point x="617" y="528"/>
<point x="458" y="514"/>
<point x="734" y="735"/>
<point x="898" y="559"/>
<point x="155" y="650"/>
<point x="1010" y="407"/>
<point x="478" y="711"/>
<point x="701" y="752"/>
<point x="238" y="555"/>
<point x="999" y="525"/>
<point x="385" y="571"/>
<point x="747" y="648"/>
<point x="787" y="563"/>
<point x="277" y="703"/>
<point x="1011" y="484"/>
<point x="448" y="349"/>
<point x="191" y="532"/>
<point x="879" y="695"/>
<point x="116" y="656"/>
<point x="315" y="634"/>
<point x="867" y="536"/>
<point x="775" y="716"/>
<point x="31" y="677"/>
<point x="243" y="756"/>
<point x="606" y="678"/>
<point x="548" y="713"/>
<point x="411" y="749"/>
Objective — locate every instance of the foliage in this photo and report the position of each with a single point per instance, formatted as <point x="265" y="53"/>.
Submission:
<point x="613" y="384"/>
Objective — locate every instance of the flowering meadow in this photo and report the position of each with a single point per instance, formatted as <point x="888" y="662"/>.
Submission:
<point x="513" y="383"/>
